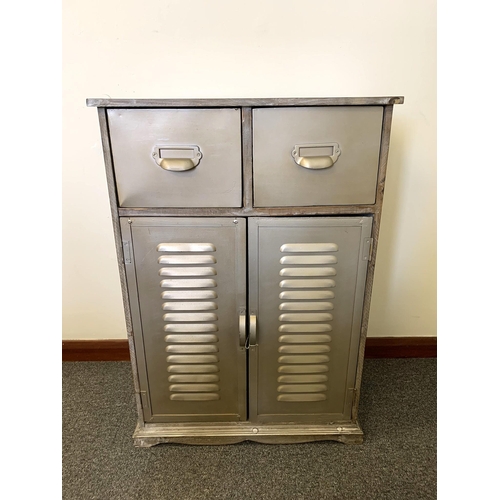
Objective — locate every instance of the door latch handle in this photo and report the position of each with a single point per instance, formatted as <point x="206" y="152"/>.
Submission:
<point x="243" y="328"/>
<point x="253" y="330"/>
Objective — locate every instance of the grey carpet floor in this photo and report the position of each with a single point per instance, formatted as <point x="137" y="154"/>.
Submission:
<point x="396" y="461"/>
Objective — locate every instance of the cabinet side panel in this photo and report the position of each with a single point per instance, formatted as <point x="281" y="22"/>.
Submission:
<point x="108" y="163"/>
<point x="384" y="156"/>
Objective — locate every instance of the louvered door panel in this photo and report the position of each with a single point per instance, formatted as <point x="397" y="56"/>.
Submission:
<point x="306" y="285"/>
<point x="190" y="282"/>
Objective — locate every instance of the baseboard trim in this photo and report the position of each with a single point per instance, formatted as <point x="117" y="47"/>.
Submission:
<point x="95" y="350"/>
<point x="401" y="347"/>
<point x="376" y="347"/>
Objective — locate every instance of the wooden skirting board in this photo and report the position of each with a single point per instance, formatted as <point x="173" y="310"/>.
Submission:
<point x="376" y="347"/>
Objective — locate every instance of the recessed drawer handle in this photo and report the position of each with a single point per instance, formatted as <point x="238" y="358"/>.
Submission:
<point x="316" y="156"/>
<point x="177" y="158"/>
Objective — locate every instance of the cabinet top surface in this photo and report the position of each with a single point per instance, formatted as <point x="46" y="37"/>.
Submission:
<point x="249" y="102"/>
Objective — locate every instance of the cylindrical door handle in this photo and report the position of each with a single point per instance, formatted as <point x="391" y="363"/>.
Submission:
<point x="177" y="158"/>
<point x="316" y="156"/>
<point x="243" y="327"/>
<point x="253" y="330"/>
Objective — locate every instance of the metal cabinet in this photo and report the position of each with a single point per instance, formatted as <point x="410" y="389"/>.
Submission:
<point x="246" y="234"/>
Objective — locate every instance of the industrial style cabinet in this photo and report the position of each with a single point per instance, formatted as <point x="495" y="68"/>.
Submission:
<point x="246" y="234"/>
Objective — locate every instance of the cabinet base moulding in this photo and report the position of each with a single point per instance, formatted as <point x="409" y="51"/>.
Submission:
<point x="151" y="435"/>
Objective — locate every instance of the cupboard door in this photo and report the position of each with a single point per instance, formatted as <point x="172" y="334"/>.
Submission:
<point x="186" y="280"/>
<point x="306" y="283"/>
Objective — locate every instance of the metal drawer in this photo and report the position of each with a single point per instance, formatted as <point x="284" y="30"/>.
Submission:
<point x="176" y="157"/>
<point x="316" y="155"/>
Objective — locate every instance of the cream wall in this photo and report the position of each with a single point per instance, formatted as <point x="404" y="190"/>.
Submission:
<point x="280" y="48"/>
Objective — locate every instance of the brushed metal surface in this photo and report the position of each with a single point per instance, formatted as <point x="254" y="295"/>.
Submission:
<point x="308" y="259"/>
<point x="306" y="359"/>
<point x="318" y="327"/>
<point x="195" y="397"/>
<point x="192" y="317"/>
<point x="302" y="388"/>
<point x="195" y="388"/>
<point x="187" y="259"/>
<point x="303" y="349"/>
<point x="189" y="306"/>
<point x="309" y="247"/>
<point x="195" y="358"/>
<point x="187" y="271"/>
<point x="199" y="378"/>
<point x="307" y="295"/>
<point x="191" y="283"/>
<point x="307" y="283"/>
<point x="301" y="398"/>
<point x="192" y="369"/>
<point x="304" y="339"/>
<point x="191" y="328"/>
<point x="306" y="306"/>
<point x="191" y="339"/>
<point x="303" y="369"/>
<point x="188" y="294"/>
<point x="305" y="317"/>
<point x="216" y="181"/>
<point x="301" y="379"/>
<point x="193" y="348"/>
<point x="352" y="180"/>
<point x="186" y="247"/>
<point x="308" y="271"/>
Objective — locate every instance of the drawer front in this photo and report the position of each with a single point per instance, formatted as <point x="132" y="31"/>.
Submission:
<point x="316" y="155"/>
<point x="176" y="157"/>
